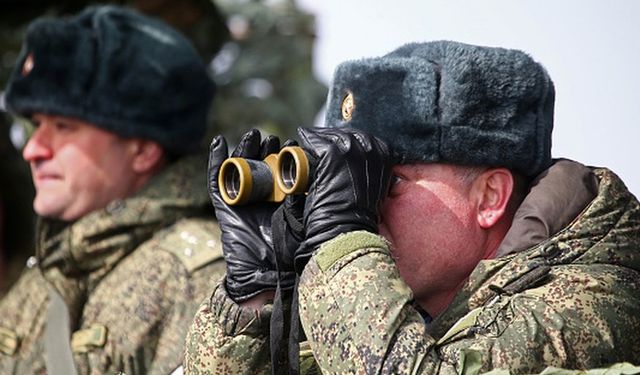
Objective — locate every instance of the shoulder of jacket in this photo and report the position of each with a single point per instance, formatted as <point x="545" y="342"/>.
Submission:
<point x="195" y="242"/>
<point x="23" y="311"/>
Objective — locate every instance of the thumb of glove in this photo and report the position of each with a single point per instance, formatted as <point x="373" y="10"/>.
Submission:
<point x="218" y="153"/>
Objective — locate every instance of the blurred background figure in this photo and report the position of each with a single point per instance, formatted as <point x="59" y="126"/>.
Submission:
<point x="259" y="54"/>
<point x="113" y="106"/>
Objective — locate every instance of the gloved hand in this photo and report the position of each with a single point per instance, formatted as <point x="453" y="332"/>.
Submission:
<point x="246" y="230"/>
<point x="351" y="176"/>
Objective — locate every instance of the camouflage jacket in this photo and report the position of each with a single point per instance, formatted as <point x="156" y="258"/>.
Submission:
<point x="571" y="300"/>
<point x="615" y="369"/>
<point x="131" y="276"/>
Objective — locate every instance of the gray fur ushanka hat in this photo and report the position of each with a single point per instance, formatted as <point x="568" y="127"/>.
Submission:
<point x="450" y="102"/>
<point x="117" y="69"/>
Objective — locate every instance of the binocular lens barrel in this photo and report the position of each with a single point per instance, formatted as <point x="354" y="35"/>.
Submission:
<point x="288" y="171"/>
<point x="232" y="183"/>
<point x="293" y="170"/>
<point x="243" y="181"/>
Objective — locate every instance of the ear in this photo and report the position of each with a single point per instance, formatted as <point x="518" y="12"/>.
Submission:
<point x="493" y="190"/>
<point x="148" y="156"/>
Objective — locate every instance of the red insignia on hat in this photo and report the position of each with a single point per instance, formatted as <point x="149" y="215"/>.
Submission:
<point x="27" y="67"/>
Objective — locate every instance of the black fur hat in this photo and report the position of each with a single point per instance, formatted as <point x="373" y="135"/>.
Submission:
<point x="122" y="71"/>
<point x="450" y="102"/>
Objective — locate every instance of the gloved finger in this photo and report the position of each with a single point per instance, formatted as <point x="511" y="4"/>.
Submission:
<point x="378" y="152"/>
<point x="364" y="140"/>
<point x="342" y="138"/>
<point x="249" y="146"/>
<point x="381" y="152"/>
<point x="218" y="153"/>
<point x="270" y="145"/>
<point x="309" y="141"/>
<point x="289" y="143"/>
<point x="318" y="140"/>
<point x="381" y="147"/>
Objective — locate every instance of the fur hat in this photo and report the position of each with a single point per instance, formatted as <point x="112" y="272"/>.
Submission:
<point x="117" y="69"/>
<point x="450" y="102"/>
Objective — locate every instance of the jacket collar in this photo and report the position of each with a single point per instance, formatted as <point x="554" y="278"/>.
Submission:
<point x="606" y="230"/>
<point x="556" y="197"/>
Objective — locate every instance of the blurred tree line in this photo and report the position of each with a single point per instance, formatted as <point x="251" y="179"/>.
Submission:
<point x="259" y="54"/>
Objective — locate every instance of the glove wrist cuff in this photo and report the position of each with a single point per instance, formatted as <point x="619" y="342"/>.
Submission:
<point x="235" y="319"/>
<point x="240" y="290"/>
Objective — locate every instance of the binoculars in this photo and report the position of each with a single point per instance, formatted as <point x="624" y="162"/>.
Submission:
<point x="243" y="181"/>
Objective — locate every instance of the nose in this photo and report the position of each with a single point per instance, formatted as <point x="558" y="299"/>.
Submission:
<point x="39" y="146"/>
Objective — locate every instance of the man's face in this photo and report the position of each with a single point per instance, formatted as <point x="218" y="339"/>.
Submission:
<point x="76" y="167"/>
<point x="430" y="220"/>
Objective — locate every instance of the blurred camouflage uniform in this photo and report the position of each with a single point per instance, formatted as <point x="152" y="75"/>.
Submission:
<point x="616" y="369"/>
<point x="572" y="300"/>
<point x="158" y="247"/>
<point x="116" y="285"/>
<point x="199" y="20"/>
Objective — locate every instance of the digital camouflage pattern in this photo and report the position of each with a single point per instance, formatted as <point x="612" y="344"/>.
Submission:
<point x="572" y="301"/>
<point x="616" y="369"/>
<point x="135" y="271"/>
<point x="227" y="339"/>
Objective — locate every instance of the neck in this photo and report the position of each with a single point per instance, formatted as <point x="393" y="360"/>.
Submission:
<point x="435" y="304"/>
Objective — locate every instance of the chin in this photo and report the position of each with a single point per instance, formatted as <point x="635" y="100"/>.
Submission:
<point x="48" y="211"/>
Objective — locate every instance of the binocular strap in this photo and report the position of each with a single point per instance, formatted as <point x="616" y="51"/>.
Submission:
<point x="278" y="326"/>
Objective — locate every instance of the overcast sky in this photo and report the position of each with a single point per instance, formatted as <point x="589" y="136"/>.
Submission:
<point x="591" y="50"/>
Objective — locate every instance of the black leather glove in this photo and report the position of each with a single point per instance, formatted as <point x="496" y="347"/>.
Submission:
<point x="246" y="230"/>
<point x="351" y="176"/>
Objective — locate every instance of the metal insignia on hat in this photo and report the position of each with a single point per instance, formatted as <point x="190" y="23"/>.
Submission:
<point x="27" y="67"/>
<point x="348" y="106"/>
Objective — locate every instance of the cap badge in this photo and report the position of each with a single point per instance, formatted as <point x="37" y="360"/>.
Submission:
<point x="348" y="106"/>
<point x="27" y="67"/>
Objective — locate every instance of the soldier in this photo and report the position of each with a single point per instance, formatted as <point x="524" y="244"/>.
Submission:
<point x="126" y="242"/>
<point x="439" y="235"/>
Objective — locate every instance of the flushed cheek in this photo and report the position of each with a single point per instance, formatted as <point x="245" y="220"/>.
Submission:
<point x="392" y="224"/>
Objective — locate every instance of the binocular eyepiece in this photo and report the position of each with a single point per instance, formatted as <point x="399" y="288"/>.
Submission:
<point x="243" y="181"/>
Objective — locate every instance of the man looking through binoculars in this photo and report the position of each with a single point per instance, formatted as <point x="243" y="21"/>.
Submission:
<point x="437" y="235"/>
